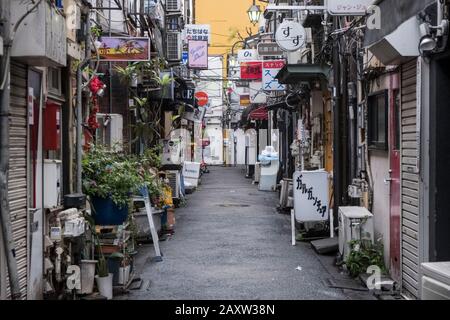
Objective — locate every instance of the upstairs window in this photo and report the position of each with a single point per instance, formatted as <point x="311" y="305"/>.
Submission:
<point x="378" y="120"/>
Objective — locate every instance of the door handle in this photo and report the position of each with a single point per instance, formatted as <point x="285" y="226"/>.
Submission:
<point x="387" y="180"/>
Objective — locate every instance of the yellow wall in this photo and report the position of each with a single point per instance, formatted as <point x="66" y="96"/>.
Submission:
<point x="225" y="17"/>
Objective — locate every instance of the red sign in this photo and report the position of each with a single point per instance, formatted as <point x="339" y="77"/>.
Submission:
<point x="251" y="70"/>
<point x="273" y="64"/>
<point x="202" y="98"/>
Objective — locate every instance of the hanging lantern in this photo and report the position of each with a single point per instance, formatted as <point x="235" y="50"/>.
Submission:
<point x="254" y="13"/>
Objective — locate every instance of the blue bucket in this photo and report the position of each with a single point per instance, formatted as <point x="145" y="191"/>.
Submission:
<point x="107" y="213"/>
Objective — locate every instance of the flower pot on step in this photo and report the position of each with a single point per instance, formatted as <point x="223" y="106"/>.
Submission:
<point x="105" y="286"/>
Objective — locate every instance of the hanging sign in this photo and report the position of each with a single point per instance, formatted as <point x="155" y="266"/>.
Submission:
<point x="124" y="49"/>
<point x="290" y="36"/>
<point x="244" y="100"/>
<point x="198" y="55"/>
<point x="311" y="196"/>
<point x="197" y="32"/>
<point x="257" y="95"/>
<point x="247" y="55"/>
<point x="196" y="116"/>
<point x="269" y="49"/>
<point x="348" y="7"/>
<point x="202" y="98"/>
<point x="251" y="70"/>
<point x="270" y="71"/>
<point x="30" y="100"/>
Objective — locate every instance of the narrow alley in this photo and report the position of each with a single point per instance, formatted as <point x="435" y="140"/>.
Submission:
<point x="230" y="243"/>
<point x="224" y="150"/>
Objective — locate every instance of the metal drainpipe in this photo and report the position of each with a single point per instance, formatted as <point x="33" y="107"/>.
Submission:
<point x="5" y="92"/>
<point x="79" y="130"/>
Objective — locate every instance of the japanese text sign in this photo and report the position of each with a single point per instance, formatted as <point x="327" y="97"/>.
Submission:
<point x="348" y="7"/>
<point x="270" y="71"/>
<point x="198" y="54"/>
<point x="124" y="49"/>
<point x="290" y="36"/>
<point x="311" y="196"/>
<point x="251" y="70"/>
<point x="197" y="32"/>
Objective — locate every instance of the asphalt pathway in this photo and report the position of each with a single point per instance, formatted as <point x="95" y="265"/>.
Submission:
<point x="230" y="243"/>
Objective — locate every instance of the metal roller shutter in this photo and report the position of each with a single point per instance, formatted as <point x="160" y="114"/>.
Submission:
<point x="17" y="183"/>
<point x="410" y="181"/>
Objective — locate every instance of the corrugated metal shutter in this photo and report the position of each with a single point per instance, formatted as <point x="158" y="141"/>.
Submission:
<point x="410" y="181"/>
<point x="17" y="183"/>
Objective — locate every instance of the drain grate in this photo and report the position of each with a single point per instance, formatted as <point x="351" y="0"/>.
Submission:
<point x="233" y="205"/>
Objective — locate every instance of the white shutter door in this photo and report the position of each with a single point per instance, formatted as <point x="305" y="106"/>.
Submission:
<point x="410" y="181"/>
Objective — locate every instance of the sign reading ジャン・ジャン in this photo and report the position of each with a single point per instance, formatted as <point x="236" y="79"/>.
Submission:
<point x="124" y="49"/>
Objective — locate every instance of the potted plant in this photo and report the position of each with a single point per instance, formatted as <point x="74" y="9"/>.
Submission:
<point x="104" y="279"/>
<point x="110" y="178"/>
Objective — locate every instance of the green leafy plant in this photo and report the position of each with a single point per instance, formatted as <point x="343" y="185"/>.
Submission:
<point x="364" y="254"/>
<point x="109" y="174"/>
<point x="96" y="31"/>
<point x="147" y="129"/>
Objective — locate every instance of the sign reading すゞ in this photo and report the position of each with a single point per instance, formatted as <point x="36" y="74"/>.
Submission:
<point x="290" y="36"/>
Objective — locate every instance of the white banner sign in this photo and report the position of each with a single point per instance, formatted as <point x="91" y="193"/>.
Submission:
<point x="311" y="196"/>
<point x="197" y="32"/>
<point x="247" y="55"/>
<point x="270" y="71"/>
<point x="348" y="7"/>
<point x="257" y="94"/>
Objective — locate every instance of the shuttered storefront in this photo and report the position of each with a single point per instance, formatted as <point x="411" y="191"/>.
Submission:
<point x="410" y="181"/>
<point x="18" y="170"/>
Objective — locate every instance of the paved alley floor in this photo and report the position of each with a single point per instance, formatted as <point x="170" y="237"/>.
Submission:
<point x="230" y="243"/>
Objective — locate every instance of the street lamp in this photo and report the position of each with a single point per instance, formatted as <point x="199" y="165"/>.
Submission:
<point x="254" y="13"/>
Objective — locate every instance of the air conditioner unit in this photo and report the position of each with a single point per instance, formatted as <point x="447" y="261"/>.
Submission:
<point x="110" y="131"/>
<point x="257" y="172"/>
<point x="174" y="178"/>
<point x="174" y="5"/>
<point x="355" y="223"/>
<point x="436" y="281"/>
<point x="174" y="46"/>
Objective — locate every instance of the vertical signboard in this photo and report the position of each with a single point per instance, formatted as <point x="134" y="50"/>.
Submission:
<point x="270" y="71"/>
<point x="198" y="55"/>
<point x="311" y="196"/>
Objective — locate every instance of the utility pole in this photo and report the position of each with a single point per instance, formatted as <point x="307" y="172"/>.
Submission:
<point x="337" y="174"/>
<point x="5" y="217"/>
